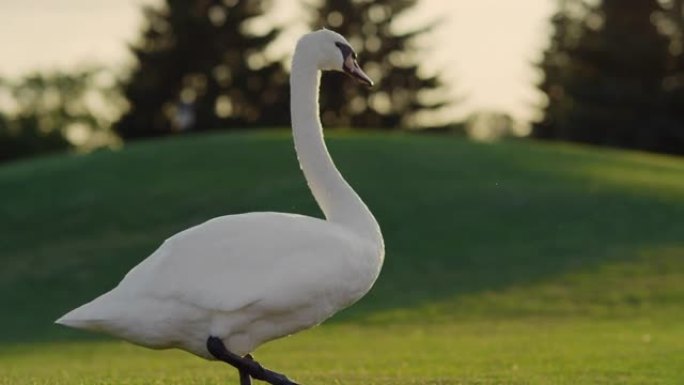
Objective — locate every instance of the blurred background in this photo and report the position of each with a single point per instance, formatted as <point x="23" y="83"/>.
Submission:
<point x="523" y="159"/>
<point x="82" y="75"/>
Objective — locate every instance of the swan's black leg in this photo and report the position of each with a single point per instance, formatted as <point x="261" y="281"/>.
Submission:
<point x="245" y="379"/>
<point x="246" y="365"/>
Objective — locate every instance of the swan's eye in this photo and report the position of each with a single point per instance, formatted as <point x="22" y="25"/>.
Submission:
<point x="346" y="50"/>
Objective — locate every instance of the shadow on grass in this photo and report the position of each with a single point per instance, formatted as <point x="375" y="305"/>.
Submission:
<point x="476" y="218"/>
<point x="458" y="218"/>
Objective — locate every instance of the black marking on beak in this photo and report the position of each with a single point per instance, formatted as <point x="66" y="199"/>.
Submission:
<point x="351" y="66"/>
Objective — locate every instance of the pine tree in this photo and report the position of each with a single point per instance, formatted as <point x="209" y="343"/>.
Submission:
<point x="390" y="58"/>
<point x="673" y="130"/>
<point x="553" y="67"/>
<point x="612" y="79"/>
<point x="199" y="68"/>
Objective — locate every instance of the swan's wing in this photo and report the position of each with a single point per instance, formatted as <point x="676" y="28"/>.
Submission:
<point x="271" y="259"/>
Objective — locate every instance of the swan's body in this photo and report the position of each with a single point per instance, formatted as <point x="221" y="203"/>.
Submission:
<point x="251" y="278"/>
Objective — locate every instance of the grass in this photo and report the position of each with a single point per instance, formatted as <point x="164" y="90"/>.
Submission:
<point x="511" y="263"/>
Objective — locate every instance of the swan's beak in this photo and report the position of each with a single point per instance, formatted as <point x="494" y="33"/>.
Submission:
<point x="351" y="68"/>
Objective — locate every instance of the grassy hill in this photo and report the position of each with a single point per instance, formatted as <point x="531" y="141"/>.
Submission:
<point x="511" y="263"/>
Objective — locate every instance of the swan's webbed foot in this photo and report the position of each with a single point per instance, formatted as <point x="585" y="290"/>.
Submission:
<point x="247" y="367"/>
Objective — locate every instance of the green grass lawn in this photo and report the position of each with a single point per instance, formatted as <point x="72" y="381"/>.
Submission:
<point x="510" y="263"/>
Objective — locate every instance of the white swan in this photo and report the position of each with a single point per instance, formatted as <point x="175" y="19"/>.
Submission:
<point x="222" y="288"/>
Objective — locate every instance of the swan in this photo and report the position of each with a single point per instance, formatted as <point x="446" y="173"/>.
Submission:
<point x="222" y="288"/>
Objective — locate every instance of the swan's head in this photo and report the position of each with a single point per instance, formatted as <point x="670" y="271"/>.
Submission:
<point x="332" y="52"/>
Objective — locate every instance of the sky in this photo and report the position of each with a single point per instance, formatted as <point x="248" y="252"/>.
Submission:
<point x="484" y="48"/>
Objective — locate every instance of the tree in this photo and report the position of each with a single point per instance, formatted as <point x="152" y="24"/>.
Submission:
<point x="200" y="67"/>
<point x="610" y="85"/>
<point x="673" y="128"/>
<point x="564" y="34"/>
<point x="48" y="112"/>
<point x="388" y="56"/>
<point x="22" y="138"/>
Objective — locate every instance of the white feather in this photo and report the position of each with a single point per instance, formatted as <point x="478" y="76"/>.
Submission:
<point x="255" y="277"/>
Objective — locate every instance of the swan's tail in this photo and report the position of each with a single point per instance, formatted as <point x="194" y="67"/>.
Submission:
<point x="92" y="315"/>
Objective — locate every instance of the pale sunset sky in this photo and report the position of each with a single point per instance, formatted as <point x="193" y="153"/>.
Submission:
<point x="485" y="48"/>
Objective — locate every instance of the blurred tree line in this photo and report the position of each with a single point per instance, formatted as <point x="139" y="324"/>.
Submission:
<point x="205" y="64"/>
<point x="208" y="64"/>
<point x="614" y="75"/>
<point x="47" y="112"/>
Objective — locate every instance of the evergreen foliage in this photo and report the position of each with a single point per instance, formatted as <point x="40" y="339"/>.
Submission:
<point x="564" y="33"/>
<point x="389" y="57"/>
<point x="200" y="67"/>
<point x="673" y="133"/>
<point x="605" y="73"/>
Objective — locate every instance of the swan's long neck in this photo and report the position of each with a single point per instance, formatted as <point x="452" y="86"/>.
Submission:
<point x="337" y="199"/>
